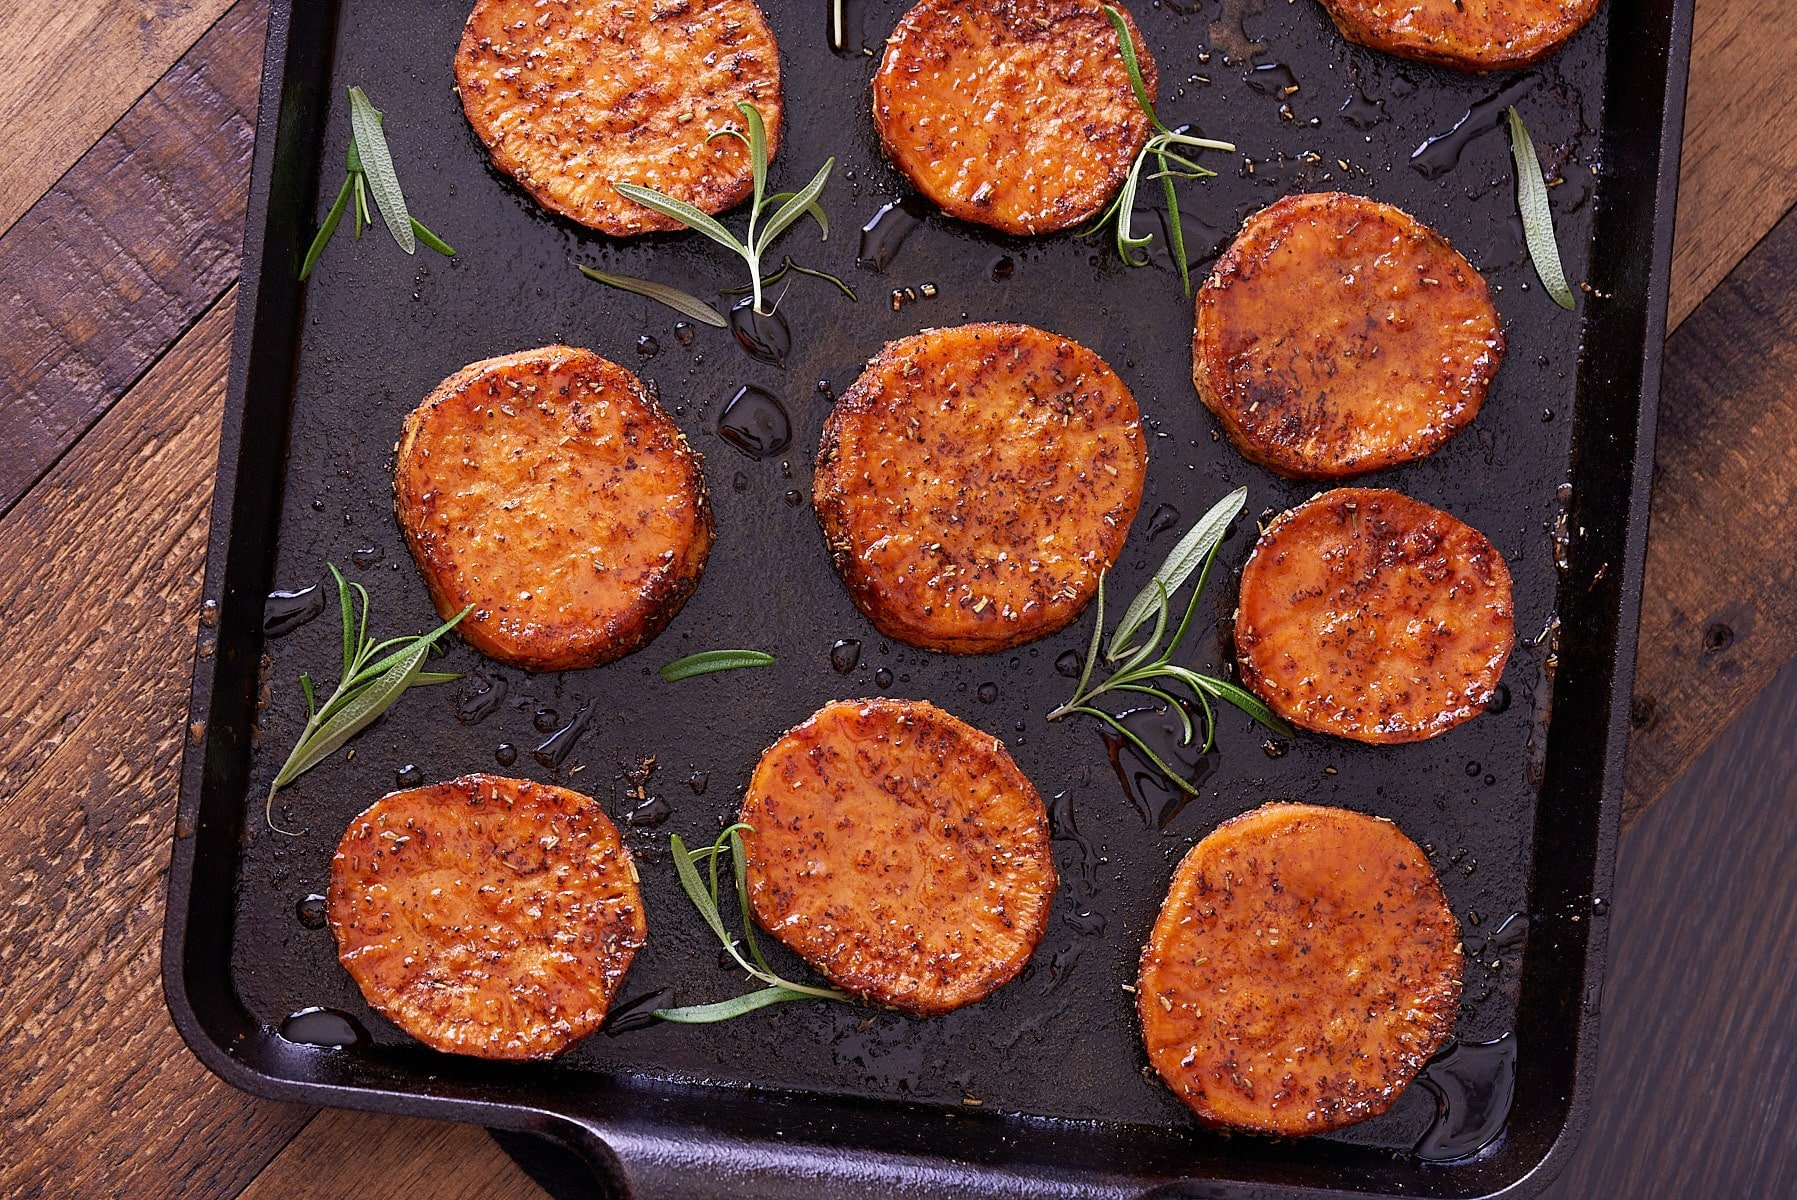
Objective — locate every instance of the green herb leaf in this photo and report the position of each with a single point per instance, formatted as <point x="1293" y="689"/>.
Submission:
<point x="1147" y="668"/>
<point x="432" y="240"/>
<point x="331" y="221"/>
<point x="724" y="1010"/>
<point x="1537" y="213"/>
<point x="1127" y="45"/>
<point x="681" y="302"/>
<point x="1186" y="556"/>
<point x="377" y="161"/>
<point x="815" y="212"/>
<point x="705" y="899"/>
<point x="680" y="210"/>
<point x="788" y="206"/>
<point x="708" y="661"/>
<point x="369" y="684"/>
<point x="1130" y="248"/>
<point x="798" y="205"/>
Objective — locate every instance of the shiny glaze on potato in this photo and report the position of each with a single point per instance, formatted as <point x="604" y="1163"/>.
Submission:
<point x="1467" y="35"/>
<point x="1304" y="965"/>
<point x="573" y="96"/>
<point x="487" y="916"/>
<point x="899" y="851"/>
<point x="1372" y="616"/>
<point x="974" y="482"/>
<point x="550" y="490"/>
<point x="1338" y="335"/>
<point x="1016" y="114"/>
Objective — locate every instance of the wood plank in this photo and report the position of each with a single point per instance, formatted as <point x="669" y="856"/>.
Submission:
<point x="72" y="68"/>
<point x="407" y="1157"/>
<point x="100" y="583"/>
<point x="1739" y="172"/>
<point x="1719" y="611"/>
<point x="1697" y="1074"/>
<point x="140" y="237"/>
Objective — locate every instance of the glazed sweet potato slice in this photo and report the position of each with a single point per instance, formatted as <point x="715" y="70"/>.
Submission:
<point x="1467" y="35"/>
<point x="487" y="916"/>
<point x="974" y="482"/>
<point x="574" y="96"/>
<point x="1372" y="616"/>
<point x="899" y="851"/>
<point x="549" y="490"/>
<point x="1338" y="335"/>
<point x="1016" y="114"/>
<point x="1304" y="966"/>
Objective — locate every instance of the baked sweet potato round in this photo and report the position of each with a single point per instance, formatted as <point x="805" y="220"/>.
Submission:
<point x="574" y="96"/>
<point x="1018" y="114"/>
<point x="899" y="851"/>
<point x="549" y="490"/>
<point x="1372" y="616"/>
<point x="1467" y="35"/>
<point x="1304" y="965"/>
<point x="974" y="483"/>
<point x="486" y="916"/>
<point x="1338" y="335"/>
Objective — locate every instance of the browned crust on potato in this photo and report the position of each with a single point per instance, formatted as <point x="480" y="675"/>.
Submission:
<point x="1372" y="616"/>
<point x="1016" y="114"/>
<point x="574" y="96"/>
<point x="1467" y="35"/>
<point x="549" y="490"/>
<point x="487" y="916"/>
<point x="974" y="483"/>
<point x="899" y="851"/>
<point x="1338" y="335"/>
<point x="1304" y="965"/>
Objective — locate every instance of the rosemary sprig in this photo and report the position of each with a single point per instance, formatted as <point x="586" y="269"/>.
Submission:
<point x="705" y="897"/>
<point x="368" y="167"/>
<point x="707" y="661"/>
<point x="1537" y="213"/>
<point x="787" y="207"/>
<point x="1172" y="163"/>
<point x="1144" y="668"/>
<point x="374" y="676"/>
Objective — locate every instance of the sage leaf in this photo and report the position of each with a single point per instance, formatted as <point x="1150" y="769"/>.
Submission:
<point x="1186" y="556"/>
<point x="1537" y="213"/>
<point x="377" y="163"/>
<point x="331" y="221"/>
<point x="681" y="302"/>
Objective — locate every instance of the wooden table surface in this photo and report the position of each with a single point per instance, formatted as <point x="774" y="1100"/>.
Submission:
<point x="127" y="130"/>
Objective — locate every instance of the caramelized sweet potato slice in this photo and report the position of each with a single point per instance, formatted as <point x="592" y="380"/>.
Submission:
<point x="1304" y="966"/>
<point x="1372" y="616"/>
<point x="487" y="916"/>
<point x="550" y="491"/>
<point x="974" y="482"/>
<point x="901" y="852"/>
<point x="574" y="96"/>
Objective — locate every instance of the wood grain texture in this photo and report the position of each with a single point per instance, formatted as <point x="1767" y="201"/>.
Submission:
<point x="353" y="1156"/>
<point x="72" y="67"/>
<point x="1719" y="610"/>
<point x="100" y="581"/>
<point x="103" y="1099"/>
<point x="140" y="237"/>
<point x="1739" y="170"/>
<point x="1697" y="1073"/>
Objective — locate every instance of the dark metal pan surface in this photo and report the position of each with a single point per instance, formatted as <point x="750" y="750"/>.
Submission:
<point x="1039" y="1090"/>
